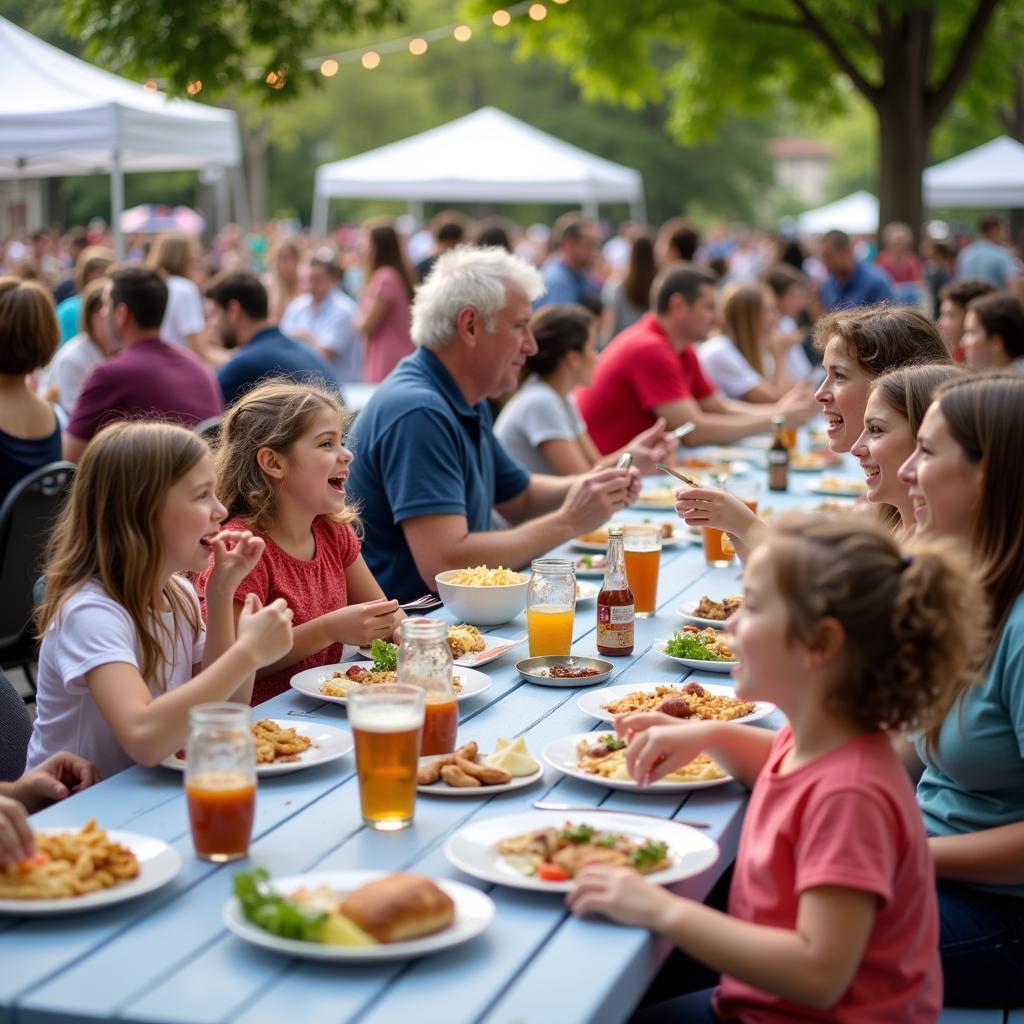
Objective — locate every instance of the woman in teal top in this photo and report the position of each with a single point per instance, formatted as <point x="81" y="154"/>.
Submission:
<point x="965" y="482"/>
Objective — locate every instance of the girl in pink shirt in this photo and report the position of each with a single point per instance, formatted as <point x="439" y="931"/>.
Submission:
<point x="385" y="303"/>
<point x="832" y="912"/>
<point x="281" y="471"/>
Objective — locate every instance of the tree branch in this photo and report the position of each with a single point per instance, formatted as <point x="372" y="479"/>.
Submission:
<point x="938" y="99"/>
<point x="762" y="17"/>
<point x="873" y="39"/>
<point x="817" y="29"/>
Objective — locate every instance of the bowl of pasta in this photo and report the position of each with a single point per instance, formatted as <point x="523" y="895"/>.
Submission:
<point x="481" y="596"/>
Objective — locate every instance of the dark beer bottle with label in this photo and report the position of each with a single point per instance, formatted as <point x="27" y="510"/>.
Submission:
<point x="616" y="614"/>
<point x="778" y="457"/>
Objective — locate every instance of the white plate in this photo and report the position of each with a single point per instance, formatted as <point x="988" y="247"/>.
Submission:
<point x="309" y="681"/>
<point x="441" y="788"/>
<point x="685" y="611"/>
<point x="561" y="754"/>
<point x="593" y="703"/>
<point x="702" y="666"/>
<point x="856" y="489"/>
<point x="329" y="744"/>
<point x="583" y="545"/>
<point x="494" y="647"/>
<point x="586" y="592"/>
<point x="158" y="864"/>
<point x="474" y="848"/>
<point x="583" y="571"/>
<point x="474" y="911"/>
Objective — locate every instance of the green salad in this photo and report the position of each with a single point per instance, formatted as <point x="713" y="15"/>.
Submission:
<point x="385" y="656"/>
<point x="692" y="646"/>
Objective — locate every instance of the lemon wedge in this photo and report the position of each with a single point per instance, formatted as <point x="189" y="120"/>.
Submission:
<point x="338" y="930"/>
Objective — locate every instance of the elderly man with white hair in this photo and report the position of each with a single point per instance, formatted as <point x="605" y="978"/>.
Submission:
<point x="428" y="470"/>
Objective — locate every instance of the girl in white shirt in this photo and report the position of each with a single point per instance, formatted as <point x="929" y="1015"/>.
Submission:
<point x="124" y="654"/>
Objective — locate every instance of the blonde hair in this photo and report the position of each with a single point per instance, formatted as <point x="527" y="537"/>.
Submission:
<point x="914" y="624"/>
<point x="172" y="253"/>
<point x="274" y="415"/>
<point x="109" y="531"/>
<point x="742" y="316"/>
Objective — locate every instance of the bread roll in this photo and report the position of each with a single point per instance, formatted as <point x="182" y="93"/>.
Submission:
<point x="399" y="907"/>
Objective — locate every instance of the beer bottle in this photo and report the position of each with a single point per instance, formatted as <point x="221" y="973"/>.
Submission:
<point x="616" y="613"/>
<point x="778" y="457"/>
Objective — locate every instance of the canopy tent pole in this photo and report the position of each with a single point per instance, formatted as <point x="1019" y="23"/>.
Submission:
<point x="117" y="203"/>
<point x="319" y="225"/>
<point x="638" y="209"/>
<point x="415" y="209"/>
<point x="241" y="196"/>
<point x="590" y="209"/>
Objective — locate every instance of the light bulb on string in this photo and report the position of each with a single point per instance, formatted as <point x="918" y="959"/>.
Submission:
<point x="329" y="68"/>
<point x="538" y="12"/>
<point x="149" y="86"/>
<point x="194" y="88"/>
<point x="463" y="33"/>
<point x="417" y="46"/>
<point x="370" y="60"/>
<point x="501" y="18"/>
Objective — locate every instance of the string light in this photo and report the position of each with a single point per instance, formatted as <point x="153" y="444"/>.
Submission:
<point x="329" y="68"/>
<point x="538" y="12"/>
<point x="149" y="86"/>
<point x="370" y="60"/>
<point x="462" y="33"/>
<point x="501" y="18"/>
<point x="194" y="88"/>
<point x="418" y="46"/>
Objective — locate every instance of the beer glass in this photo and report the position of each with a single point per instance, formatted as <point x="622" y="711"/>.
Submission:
<point x="387" y="722"/>
<point x="220" y="780"/>
<point x="643" y="558"/>
<point x="747" y="489"/>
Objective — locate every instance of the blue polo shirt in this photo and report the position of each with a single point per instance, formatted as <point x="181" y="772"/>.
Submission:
<point x="866" y="286"/>
<point x="562" y="284"/>
<point x="269" y="353"/>
<point x="421" y="449"/>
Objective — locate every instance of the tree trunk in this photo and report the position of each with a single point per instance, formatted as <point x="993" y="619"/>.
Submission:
<point x="254" y="144"/>
<point x="902" y="154"/>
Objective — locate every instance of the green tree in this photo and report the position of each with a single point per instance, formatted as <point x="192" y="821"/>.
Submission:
<point x="908" y="59"/>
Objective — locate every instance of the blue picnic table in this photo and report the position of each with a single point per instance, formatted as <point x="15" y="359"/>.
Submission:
<point x="167" y="957"/>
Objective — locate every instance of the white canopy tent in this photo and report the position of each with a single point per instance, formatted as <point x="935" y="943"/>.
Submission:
<point x="856" y="214"/>
<point x="991" y="175"/>
<point x="62" y="116"/>
<point x="487" y="156"/>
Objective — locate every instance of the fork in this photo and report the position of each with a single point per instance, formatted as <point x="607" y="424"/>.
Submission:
<point x="422" y="604"/>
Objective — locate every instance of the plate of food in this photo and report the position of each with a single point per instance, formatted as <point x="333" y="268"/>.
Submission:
<point x="659" y="498"/>
<point x="469" y="772"/>
<point x="600" y="757"/>
<point x="470" y="647"/>
<point x="355" y="916"/>
<point x="813" y="461"/>
<point x="565" y="670"/>
<point x="591" y="565"/>
<point x="707" y="649"/>
<point x="710" y="612"/>
<point x="597" y="540"/>
<point x="717" y="461"/>
<point x="586" y="592"/>
<point x="331" y="683"/>
<point x="840" y="486"/>
<point x="83" y="869"/>
<point x="543" y="850"/>
<point x="287" y="745"/>
<point x="704" y="701"/>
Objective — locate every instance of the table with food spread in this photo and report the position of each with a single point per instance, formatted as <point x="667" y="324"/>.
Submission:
<point x="183" y="951"/>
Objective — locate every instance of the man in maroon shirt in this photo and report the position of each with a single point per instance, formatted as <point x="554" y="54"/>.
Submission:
<point x="148" y="379"/>
<point x="651" y="370"/>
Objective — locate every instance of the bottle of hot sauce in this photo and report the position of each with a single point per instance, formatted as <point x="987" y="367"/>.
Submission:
<point x="616" y="613"/>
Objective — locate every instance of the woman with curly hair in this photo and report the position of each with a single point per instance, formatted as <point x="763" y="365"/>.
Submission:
<point x="832" y="911"/>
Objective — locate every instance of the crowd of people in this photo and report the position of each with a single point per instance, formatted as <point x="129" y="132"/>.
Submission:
<point x="191" y="565"/>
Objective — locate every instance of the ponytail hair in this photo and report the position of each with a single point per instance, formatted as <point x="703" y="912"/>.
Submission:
<point x="558" y="330"/>
<point x="914" y="622"/>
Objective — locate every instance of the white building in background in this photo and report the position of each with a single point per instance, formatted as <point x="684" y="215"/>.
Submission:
<point x="21" y="205"/>
<point x="802" y="168"/>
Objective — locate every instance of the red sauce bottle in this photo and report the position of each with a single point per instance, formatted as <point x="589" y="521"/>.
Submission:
<point x="616" y="614"/>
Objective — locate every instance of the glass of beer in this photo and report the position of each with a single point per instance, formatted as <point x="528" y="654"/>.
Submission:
<point x="387" y="723"/>
<point x="643" y="557"/>
<point x="716" y="553"/>
<point x="747" y="489"/>
<point x="220" y="780"/>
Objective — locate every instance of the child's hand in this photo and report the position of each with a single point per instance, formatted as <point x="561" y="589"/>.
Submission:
<point x="661" y="749"/>
<point x="708" y="506"/>
<point x="235" y="554"/>
<point x="266" y="632"/>
<point x="361" y="624"/>
<point x="621" y="894"/>
<point x="16" y="840"/>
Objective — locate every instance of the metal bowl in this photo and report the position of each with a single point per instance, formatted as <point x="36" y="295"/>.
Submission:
<point x="533" y="669"/>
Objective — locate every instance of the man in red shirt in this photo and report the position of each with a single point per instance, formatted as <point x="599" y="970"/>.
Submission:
<point x="148" y="379"/>
<point x="651" y="370"/>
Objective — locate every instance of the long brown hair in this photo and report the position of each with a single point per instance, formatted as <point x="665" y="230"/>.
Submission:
<point x="883" y="337"/>
<point x="109" y="531"/>
<point x="386" y="251"/>
<point x="914" y="622"/>
<point x="274" y="415"/>
<point x="640" y="273"/>
<point x="985" y="416"/>
<point x="742" y="316"/>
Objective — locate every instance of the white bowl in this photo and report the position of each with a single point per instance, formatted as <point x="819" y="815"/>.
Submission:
<point x="481" y="606"/>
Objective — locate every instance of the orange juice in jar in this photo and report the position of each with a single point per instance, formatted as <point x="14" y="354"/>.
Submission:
<point x="551" y="606"/>
<point x="440" y="727"/>
<point x="425" y="660"/>
<point x="550" y="630"/>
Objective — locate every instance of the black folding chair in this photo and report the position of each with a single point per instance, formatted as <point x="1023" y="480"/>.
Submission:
<point x="15" y="731"/>
<point x="209" y="430"/>
<point x="26" y="517"/>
